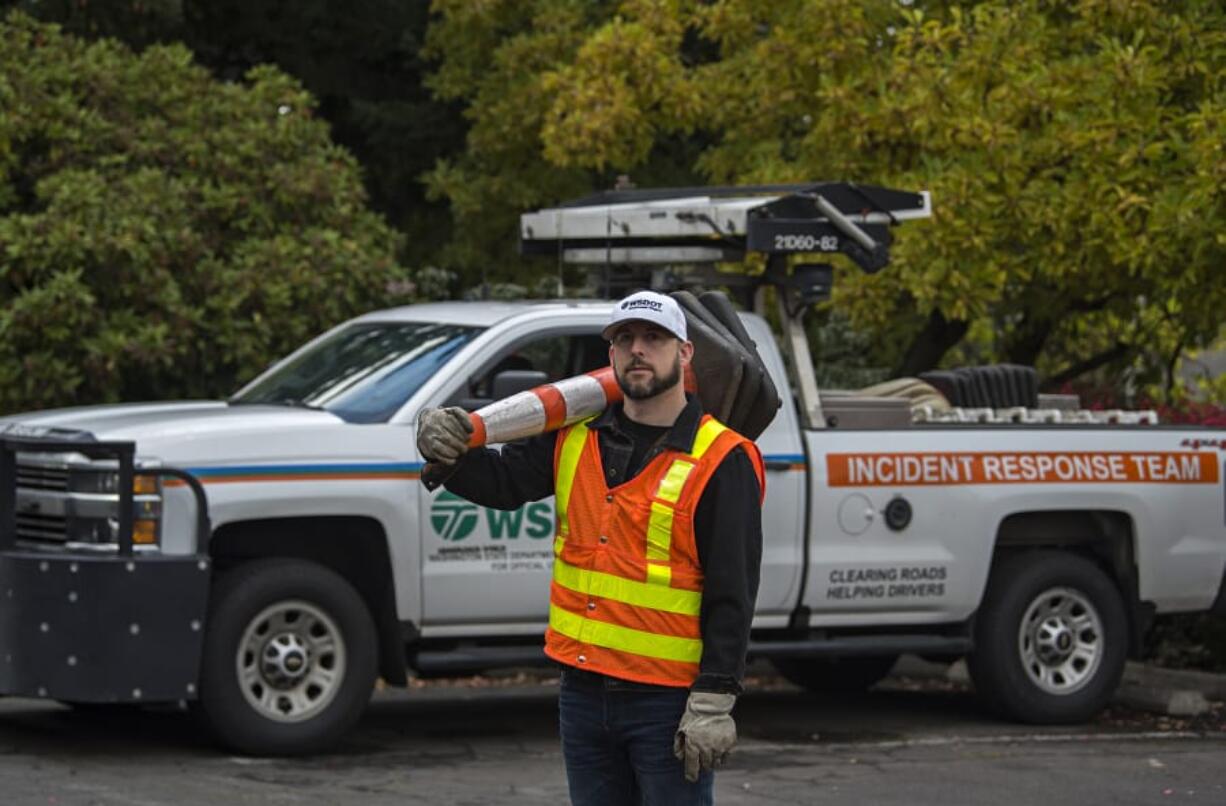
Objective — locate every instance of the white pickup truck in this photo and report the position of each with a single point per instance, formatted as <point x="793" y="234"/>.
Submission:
<point x="1038" y="550"/>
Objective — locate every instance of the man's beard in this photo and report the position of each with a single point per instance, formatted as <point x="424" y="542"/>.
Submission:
<point x="641" y="390"/>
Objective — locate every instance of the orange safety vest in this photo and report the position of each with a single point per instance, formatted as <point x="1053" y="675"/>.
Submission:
<point x="627" y="584"/>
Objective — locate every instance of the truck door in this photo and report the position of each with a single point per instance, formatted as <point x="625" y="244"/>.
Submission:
<point x="487" y="565"/>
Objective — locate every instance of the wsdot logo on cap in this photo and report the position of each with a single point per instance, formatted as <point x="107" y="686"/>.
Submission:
<point x="636" y="304"/>
<point x="648" y="306"/>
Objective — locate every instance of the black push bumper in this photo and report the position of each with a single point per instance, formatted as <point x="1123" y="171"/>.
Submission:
<point x="99" y="627"/>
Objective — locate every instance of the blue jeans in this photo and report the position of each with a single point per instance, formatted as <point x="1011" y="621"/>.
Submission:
<point x="617" y="740"/>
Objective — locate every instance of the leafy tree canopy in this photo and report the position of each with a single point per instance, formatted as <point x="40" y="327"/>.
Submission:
<point x="163" y="234"/>
<point x="1074" y="150"/>
<point x="360" y="59"/>
<point x="501" y="61"/>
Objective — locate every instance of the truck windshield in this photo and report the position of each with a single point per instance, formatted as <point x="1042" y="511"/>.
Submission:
<point x="363" y="373"/>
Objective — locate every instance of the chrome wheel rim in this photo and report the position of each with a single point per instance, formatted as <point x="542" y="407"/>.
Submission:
<point x="291" y="661"/>
<point x="1061" y="641"/>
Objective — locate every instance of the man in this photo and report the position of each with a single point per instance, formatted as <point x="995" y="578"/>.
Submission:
<point x="657" y="563"/>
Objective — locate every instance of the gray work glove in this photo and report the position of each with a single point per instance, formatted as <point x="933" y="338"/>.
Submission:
<point x="707" y="733"/>
<point x="442" y="434"/>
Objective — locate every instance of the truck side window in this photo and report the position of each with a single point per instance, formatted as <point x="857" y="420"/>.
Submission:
<point x="560" y="356"/>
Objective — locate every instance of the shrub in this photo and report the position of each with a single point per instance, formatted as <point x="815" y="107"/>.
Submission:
<point x="164" y="234"/>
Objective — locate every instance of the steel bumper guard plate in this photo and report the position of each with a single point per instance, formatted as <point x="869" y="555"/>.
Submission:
<point x="101" y="629"/>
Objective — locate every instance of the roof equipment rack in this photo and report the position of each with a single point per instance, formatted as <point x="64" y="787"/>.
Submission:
<point x="718" y="224"/>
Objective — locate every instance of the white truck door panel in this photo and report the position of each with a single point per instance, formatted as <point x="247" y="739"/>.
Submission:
<point x="859" y="566"/>
<point x="484" y="565"/>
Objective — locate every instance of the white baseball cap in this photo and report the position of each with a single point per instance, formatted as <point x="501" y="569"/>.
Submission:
<point x="648" y="306"/>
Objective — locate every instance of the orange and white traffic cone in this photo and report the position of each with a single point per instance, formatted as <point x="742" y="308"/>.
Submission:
<point x="549" y="407"/>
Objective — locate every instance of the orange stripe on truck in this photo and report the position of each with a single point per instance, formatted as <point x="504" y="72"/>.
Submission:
<point x="1052" y="467"/>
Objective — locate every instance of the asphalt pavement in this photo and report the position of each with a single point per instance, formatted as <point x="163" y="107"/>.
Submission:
<point x="910" y="741"/>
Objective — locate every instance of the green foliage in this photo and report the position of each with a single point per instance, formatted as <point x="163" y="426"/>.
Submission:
<point x="1211" y="389"/>
<point x="1074" y="150"/>
<point x="842" y="354"/>
<point x="359" y="59"/>
<point x="510" y="65"/>
<point x="362" y="60"/>
<point x="137" y="23"/>
<point x="1057" y="142"/>
<point x="163" y="234"/>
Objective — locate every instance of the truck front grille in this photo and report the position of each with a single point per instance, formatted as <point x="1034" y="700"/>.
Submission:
<point x="38" y="477"/>
<point x="41" y="527"/>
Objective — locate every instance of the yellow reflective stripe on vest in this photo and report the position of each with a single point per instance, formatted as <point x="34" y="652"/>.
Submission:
<point x="674" y="480"/>
<point x="627" y="591"/>
<point x="625" y="639"/>
<point x="568" y="465"/>
<point x="707" y="433"/>
<point x="660" y="521"/>
<point x="660" y="574"/>
<point x="659" y="531"/>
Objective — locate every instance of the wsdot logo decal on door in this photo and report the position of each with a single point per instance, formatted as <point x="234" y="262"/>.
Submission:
<point x="452" y="517"/>
<point x="455" y="519"/>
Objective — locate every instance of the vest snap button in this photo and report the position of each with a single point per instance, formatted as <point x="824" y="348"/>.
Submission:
<point x="608" y="499"/>
<point x="582" y="659"/>
<point x="591" y="605"/>
<point x="604" y="539"/>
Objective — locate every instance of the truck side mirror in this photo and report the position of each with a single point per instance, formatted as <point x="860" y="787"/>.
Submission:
<point x="513" y="381"/>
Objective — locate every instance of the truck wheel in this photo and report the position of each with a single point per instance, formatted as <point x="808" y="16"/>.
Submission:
<point x="835" y="675"/>
<point x="1050" y="638"/>
<point x="289" y="658"/>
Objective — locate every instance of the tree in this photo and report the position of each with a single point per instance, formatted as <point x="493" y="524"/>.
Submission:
<point x="501" y="61"/>
<point x="1074" y="150"/>
<point x="360" y="59"/>
<point x="163" y="234"/>
<point x="137" y="23"/>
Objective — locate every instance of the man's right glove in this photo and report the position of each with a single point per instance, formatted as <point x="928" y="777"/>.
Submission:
<point x="442" y="434"/>
<point x="707" y="733"/>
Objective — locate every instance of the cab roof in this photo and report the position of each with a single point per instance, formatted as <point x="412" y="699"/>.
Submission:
<point x="480" y="313"/>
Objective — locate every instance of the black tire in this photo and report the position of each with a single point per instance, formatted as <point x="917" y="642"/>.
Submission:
<point x="317" y="652"/>
<point x="836" y="675"/>
<point x="1051" y="638"/>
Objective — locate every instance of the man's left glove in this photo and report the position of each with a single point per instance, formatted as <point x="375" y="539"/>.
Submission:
<point x="442" y="434"/>
<point x="707" y="733"/>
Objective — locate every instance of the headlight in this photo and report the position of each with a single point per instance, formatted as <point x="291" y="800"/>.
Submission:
<point x="95" y="494"/>
<point x="106" y="482"/>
